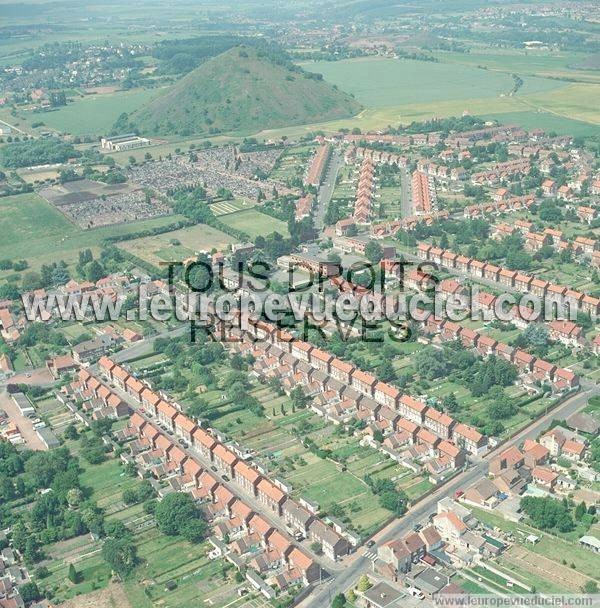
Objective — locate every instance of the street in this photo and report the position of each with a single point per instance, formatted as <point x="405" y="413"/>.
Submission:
<point x="327" y="187"/>
<point x="405" y="194"/>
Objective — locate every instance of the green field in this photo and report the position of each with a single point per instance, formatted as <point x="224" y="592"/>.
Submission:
<point x="254" y="223"/>
<point x="548" y="122"/>
<point x="157" y="248"/>
<point x="93" y="114"/>
<point x="34" y="230"/>
<point x="381" y="83"/>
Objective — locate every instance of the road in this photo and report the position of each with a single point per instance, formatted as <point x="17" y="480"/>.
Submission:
<point x="327" y="187"/>
<point x="405" y="194"/>
<point x="358" y="564"/>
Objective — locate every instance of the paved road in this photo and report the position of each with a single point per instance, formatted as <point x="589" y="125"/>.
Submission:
<point x="358" y="564"/>
<point x="327" y="187"/>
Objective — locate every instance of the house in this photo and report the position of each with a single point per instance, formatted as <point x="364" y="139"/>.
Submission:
<point x="333" y="544"/>
<point x="566" y="332"/>
<point x="224" y="459"/>
<point x="167" y="414"/>
<point x="246" y="476"/>
<point x="439" y="422"/>
<point x="534" y="453"/>
<point x="553" y="440"/>
<point x="341" y="371"/>
<point x="544" y="478"/>
<point x="61" y="365"/>
<point x="387" y="395"/>
<point x="412" y="409"/>
<point x="363" y="382"/>
<point x="270" y="495"/>
<point x="297" y="517"/>
<point x="449" y="526"/>
<point x="396" y="554"/>
<point x="184" y="427"/>
<point x="573" y="450"/>
<point x="298" y="560"/>
<point x="510" y="458"/>
<point x="483" y="494"/>
<point x="204" y="442"/>
<point x="469" y="439"/>
<point x="89" y="350"/>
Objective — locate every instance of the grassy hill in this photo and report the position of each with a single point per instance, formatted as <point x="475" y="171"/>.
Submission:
<point x="244" y="90"/>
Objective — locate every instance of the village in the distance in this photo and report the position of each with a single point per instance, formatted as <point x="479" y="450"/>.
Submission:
<point x="191" y="203"/>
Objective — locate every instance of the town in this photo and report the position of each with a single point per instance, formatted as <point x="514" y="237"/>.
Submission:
<point x="279" y="327"/>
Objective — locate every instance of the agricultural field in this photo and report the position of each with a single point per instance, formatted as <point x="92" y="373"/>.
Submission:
<point x="34" y="230"/>
<point x="91" y="114"/>
<point x="254" y="223"/>
<point x="177" y="245"/>
<point x="192" y="576"/>
<point x="292" y="164"/>
<point x="400" y="91"/>
<point x="545" y="120"/>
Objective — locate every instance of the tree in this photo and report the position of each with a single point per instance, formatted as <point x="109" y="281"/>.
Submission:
<point x="590" y="587"/>
<point x="29" y="592"/>
<point x="120" y="554"/>
<point x="174" y="513"/>
<point x="364" y="584"/>
<point x="339" y="601"/>
<point x="373" y="252"/>
<point x="580" y="511"/>
<point x="74" y="497"/>
<point x="74" y="576"/>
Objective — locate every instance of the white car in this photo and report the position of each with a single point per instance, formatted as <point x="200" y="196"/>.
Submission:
<point x="416" y="593"/>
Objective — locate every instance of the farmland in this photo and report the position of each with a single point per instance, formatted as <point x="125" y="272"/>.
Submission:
<point x="92" y="114"/>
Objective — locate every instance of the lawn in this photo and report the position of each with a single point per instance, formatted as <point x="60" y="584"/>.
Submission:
<point x="255" y="223"/>
<point x="160" y="248"/>
<point x="34" y="230"/>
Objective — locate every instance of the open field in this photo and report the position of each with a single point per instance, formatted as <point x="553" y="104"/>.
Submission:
<point x="255" y="223"/>
<point x="381" y="83"/>
<point x="92" y="114"/>
<point x="34" y="230"/>
<point x="155" y="249"/>
<point x="547" y="121"/>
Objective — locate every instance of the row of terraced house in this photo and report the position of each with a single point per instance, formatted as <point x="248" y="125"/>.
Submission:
<point x="273" y="496"/>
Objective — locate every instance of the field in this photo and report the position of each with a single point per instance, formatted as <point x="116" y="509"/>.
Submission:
<point x="92" y="114"/>
<point x="156" y="249"/>
<point x="382" y="83"/>
<point x="547" y="121"/>
<point x="34" y="230"/>
<point x="255" y="223"/>
<point x="400" y="91"/>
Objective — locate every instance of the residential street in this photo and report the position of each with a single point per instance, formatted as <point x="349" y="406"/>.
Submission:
<point x="357" y="564"/>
